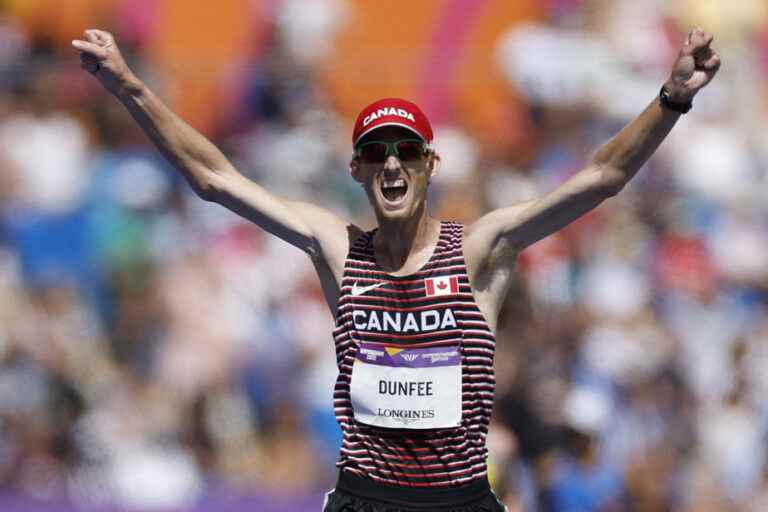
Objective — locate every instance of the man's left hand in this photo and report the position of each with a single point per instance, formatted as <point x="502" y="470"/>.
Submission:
<point x="696" y="64"/>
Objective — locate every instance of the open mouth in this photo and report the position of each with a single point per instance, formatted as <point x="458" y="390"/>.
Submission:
<point x="394" y="191"/>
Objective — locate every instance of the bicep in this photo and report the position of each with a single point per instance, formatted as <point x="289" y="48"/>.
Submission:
<point x="521" y="225"/>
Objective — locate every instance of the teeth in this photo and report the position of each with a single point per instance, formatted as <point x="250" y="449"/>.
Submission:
<point x="393" y="184"/>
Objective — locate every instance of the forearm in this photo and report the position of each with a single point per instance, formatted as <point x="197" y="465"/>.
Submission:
<point x="621" y="157"/>
<point x="194" y="156"/>
<point x="613" y="165"/>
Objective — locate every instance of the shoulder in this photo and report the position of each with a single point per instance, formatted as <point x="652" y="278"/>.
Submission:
<point x="326" y="224"/>
<point x="333" y="235"/>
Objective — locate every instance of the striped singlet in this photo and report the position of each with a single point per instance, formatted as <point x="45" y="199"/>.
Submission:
<point x="415" y="321"/>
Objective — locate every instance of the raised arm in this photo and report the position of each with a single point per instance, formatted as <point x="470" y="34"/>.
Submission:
<point x="514" y="228"/>
<point x="315" y="230"/>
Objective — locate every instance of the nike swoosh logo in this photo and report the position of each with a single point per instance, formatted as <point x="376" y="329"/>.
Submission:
<point x="359" y="290"/>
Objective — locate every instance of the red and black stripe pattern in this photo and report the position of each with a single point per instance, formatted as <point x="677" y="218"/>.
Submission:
<point x="408" y="457"/>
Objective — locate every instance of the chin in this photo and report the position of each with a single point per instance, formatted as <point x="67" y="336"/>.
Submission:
<point x="394" y="215"/>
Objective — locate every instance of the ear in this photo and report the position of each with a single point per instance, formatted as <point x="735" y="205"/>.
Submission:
<point x="354" y="170"/>
<point x="433" y="165"/>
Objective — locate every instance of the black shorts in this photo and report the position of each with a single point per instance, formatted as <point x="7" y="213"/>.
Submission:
<point x="357" y="494"/>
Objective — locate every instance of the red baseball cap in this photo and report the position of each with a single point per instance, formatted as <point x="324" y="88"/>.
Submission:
<point x="392" y="112"/>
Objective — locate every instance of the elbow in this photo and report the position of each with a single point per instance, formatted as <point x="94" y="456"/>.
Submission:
<point x="205" y="191"/>
<point x="611" y="188"/>
<point x="611" y="181"/>
<point x="209" y="188"/>
<point x="312" y="248"/>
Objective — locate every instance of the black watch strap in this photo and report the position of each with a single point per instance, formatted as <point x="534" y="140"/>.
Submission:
<point x="666" y="102"/>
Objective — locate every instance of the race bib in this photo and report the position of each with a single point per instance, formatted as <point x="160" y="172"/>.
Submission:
<point x="416" y="388"/>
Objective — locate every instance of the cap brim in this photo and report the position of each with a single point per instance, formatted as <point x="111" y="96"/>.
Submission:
<point x="369" y="130"/>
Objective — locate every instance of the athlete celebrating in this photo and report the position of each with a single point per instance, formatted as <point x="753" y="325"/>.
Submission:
<point x="416" y="299"/>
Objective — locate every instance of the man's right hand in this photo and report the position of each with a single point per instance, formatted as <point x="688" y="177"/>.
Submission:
<point x="100" y="56"/>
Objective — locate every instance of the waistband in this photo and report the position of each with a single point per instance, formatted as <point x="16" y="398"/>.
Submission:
<point x="368" y="489"/>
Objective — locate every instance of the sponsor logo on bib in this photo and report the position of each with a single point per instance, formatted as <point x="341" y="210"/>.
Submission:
<point x="406" y="416"/>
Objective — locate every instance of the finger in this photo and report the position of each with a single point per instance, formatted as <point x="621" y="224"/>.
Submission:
<point x="105" y="36"/>
<point x="99" y="36"/>
<point x="91" y="48"/>
<point x="712" y="63"/>
<point x="700" y="39"/>
<point x="90" y="36"/>
<point x="702" y="55"/>
<point x="687" y="48"/>
<point x="707" y="59"/>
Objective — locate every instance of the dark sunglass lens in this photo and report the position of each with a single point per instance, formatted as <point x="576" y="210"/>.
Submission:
<point x="409" y="150"/>
<point x="373" y="152"/>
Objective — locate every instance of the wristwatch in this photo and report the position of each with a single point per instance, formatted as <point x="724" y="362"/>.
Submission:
<point x="666" y="102"/>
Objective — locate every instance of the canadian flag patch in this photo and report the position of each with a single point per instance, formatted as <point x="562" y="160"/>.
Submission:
<point x="437" y="286"/>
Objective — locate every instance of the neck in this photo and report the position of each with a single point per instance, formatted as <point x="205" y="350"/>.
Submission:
<point x="397" y="240"/>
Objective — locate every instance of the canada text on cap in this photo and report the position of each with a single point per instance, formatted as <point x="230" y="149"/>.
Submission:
<point x="392" y="112"/>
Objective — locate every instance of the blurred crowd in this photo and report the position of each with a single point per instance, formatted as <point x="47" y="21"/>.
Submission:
<point x="157" y="350"/>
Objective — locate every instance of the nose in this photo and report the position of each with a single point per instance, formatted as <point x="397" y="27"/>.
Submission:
<point x="392" y="164"/>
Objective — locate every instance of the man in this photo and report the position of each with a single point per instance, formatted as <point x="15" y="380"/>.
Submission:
<point x="416" y="300"/>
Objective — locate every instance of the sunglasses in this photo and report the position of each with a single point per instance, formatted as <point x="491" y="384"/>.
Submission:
<point x="377" y="151"/>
